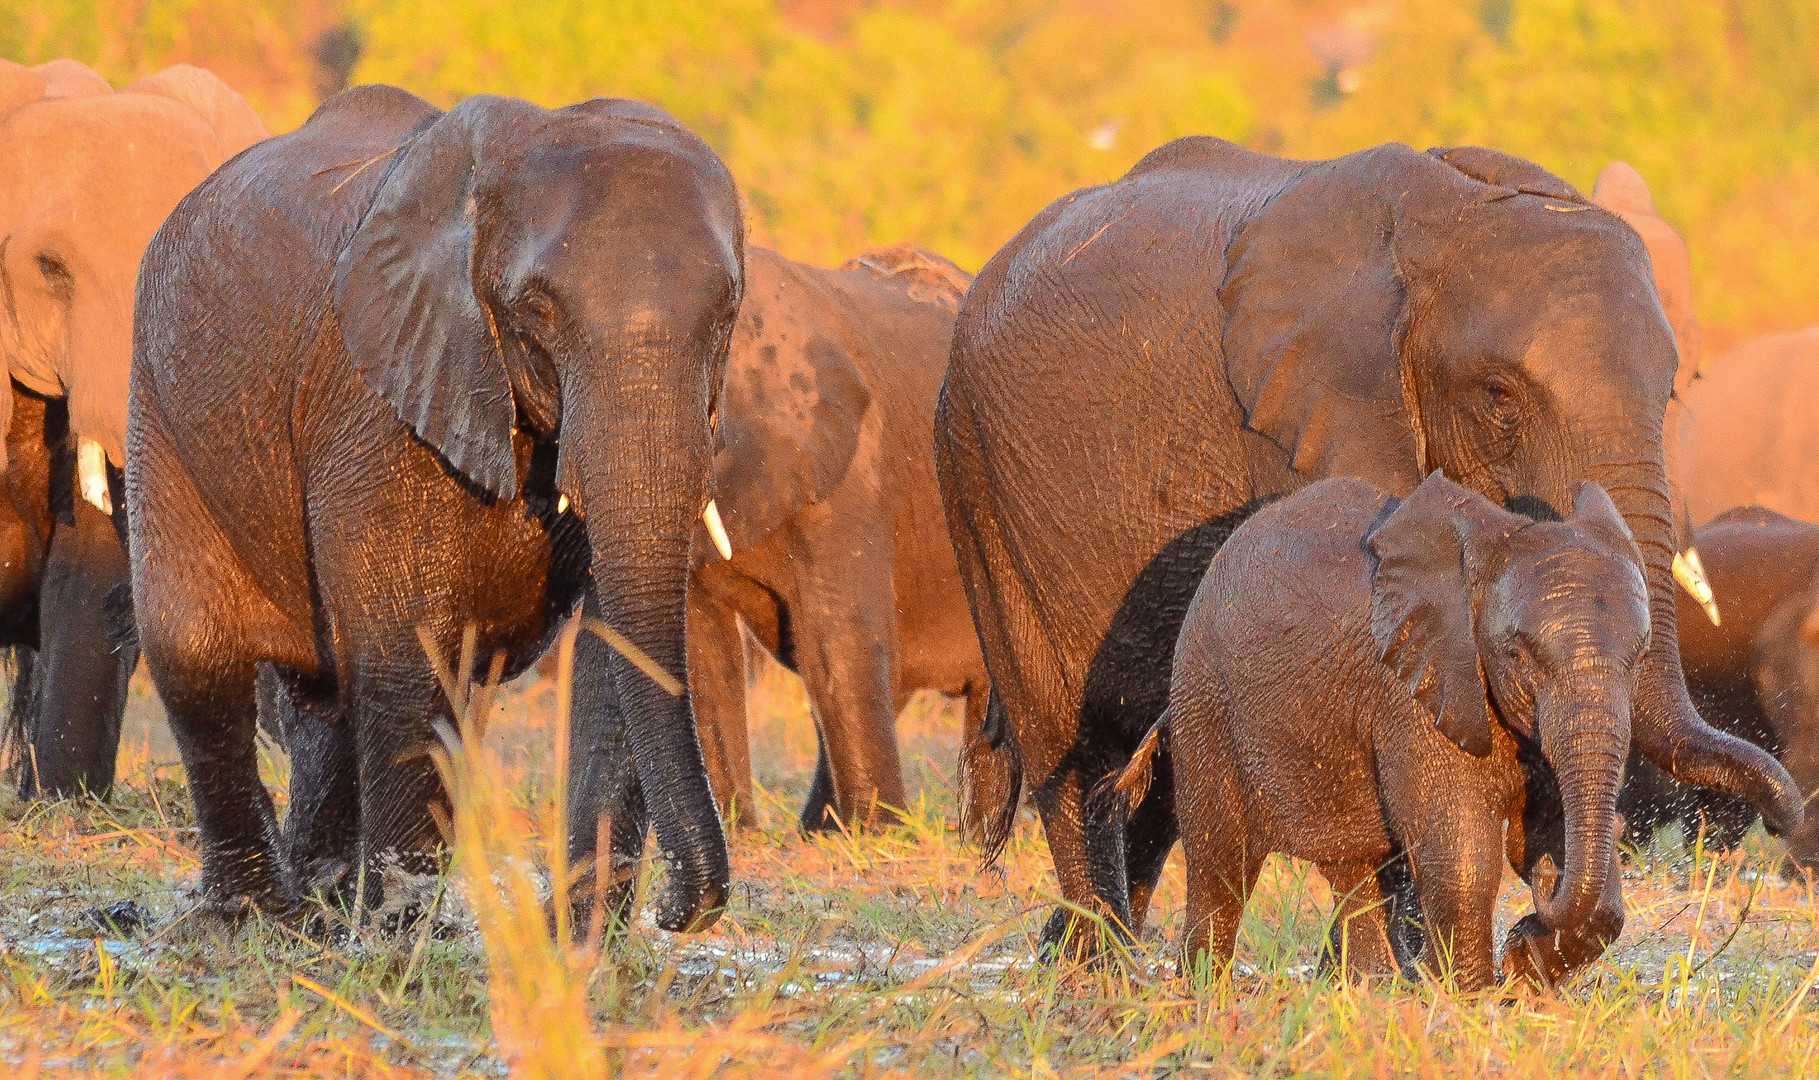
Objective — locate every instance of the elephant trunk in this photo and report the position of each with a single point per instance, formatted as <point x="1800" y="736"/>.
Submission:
<point x="1666" y="727"/>
<point x="639" y="476"/>
<point x="1584" y="735"/>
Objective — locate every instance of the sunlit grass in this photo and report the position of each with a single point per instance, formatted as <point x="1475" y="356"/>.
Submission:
<point x="840" y="955"/>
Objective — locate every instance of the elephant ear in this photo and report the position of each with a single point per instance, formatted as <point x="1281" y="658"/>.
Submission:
<point x="1421" y="606"/>
<point x="1314" y="312"/>
<point x="235" y="125"/>
<point x="1594" y="510"/>
<point x="792" y="404"/>
<point x="404" y="292"/>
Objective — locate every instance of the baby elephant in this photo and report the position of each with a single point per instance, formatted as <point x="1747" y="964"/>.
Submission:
<point x="1395" y="691"/>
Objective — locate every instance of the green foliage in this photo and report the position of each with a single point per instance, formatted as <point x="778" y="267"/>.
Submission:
<point x="952" y="122"/>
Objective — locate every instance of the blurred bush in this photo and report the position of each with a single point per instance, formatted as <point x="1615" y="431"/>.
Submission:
<point x="951" y="122"/>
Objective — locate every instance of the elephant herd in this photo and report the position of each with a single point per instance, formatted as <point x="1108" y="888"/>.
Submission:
<point x="1331" y="508"/>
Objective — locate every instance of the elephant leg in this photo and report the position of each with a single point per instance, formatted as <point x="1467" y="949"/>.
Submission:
<point x="83" y="666"/>
<point x="393" y="703"/>
<point x="1223" y="858"/>
<point x="322" y="824"/>
<point x="204" y="625"/>
<point x="1458" y="872"/>
<point x="1087" y="843"/>
<point x="716" y="687"/>
<point x="843" y="628"/>
<point x="1148" y="838"/>
<point x="607" y="816"/>
<point x="1359" y="941"/>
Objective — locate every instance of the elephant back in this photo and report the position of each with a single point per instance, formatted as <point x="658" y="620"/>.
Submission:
<point x="1748" y="436"/>
<point x="923" y="275"/>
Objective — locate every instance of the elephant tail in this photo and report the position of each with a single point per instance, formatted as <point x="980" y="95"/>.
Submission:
<point x="991" y="774"/>
<point x="1134" y="782"/>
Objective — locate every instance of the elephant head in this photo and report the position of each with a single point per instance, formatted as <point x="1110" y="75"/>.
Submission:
<point x="90" y="175"/>
<point x="1393" y="313"/>
<point x="792" y="405"/>
<point x="574" y="273"/>
<point x="1488" y="616"/>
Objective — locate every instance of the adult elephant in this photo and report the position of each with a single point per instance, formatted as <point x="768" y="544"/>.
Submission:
<point x="840" y="560"/>
<point x="403" y="372"/>
<point x="1748" y="437"/>
<point x="1149" y="359"/>
<point x="88" y="176"/>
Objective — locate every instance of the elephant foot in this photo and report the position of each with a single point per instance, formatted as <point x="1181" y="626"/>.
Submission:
<point x="208" y="915"/>
<point x="1071" y="937"/>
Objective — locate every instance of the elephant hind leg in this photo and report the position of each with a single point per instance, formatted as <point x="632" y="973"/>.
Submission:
<point x="322" y="826"/>
<point x="1359" y="940"/>
<point x="716" y="686"/>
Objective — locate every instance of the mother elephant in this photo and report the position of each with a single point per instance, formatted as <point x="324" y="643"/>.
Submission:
<point x="1148" y="359"/>
<point x="86" y="176"/>
<point x="385" y="368"/>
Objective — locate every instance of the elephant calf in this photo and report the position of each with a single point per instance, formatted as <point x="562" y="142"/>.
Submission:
<point x="1396" y="691"/>
<point x="1754" y="675"/>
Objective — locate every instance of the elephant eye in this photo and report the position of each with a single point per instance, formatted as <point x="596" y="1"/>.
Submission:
<point x="1501" y="405"/>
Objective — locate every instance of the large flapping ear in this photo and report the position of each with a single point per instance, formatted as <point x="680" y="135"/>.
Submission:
<point x="1421" y="605"/>
<point x="71" y="79"/>
<point x="1621" y="190"/>
<point x="1314" y="309"/>
<point x="405" y="293"/>
<point x="792" y="403"/>
<point x="234" y="123"/>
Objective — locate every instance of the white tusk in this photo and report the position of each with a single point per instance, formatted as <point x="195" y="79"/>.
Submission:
<point x="91" y="475"/>
<point x="561" y="504"/>
<point x="717" y="530"/>
<point x="1690" y="573"/>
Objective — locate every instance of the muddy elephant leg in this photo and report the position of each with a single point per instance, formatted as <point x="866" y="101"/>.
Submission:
<point x="1359" y="940"/>
<point x="1223" y="859"/>
<point x="393" y="703"/>
<point x="1458" y="872"/>
<point x="607" y="816"/>
<point x="843" y="628"/>
<point x="82" y="670"/>
<point x="1148" y="838"/>
<point x="322" y="825"/>
<point x="716" y="687"/>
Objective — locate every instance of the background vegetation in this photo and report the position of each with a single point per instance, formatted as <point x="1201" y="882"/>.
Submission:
<point x="951" y="122"/>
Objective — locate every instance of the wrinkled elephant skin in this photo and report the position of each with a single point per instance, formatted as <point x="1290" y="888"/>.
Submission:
<point x="1150" y="359"/>
<point x="405" y="371"/>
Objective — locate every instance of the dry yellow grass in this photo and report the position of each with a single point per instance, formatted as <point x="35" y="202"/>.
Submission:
<point x="869" y="955"/>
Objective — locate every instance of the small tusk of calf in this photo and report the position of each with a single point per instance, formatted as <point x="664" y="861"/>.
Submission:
<point x="91" y="475"/>
<point x="562" y="504"/>
<point x="717" y="530"/>
<point x="1690" y="573"/>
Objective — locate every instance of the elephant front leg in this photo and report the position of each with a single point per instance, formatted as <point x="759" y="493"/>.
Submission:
<point x="81" y="672"/>
<point x="1458" y="868"/>
<point x="844" y="635"/>
<point x="401" y="852"/>
<point x="716" y="686"/>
